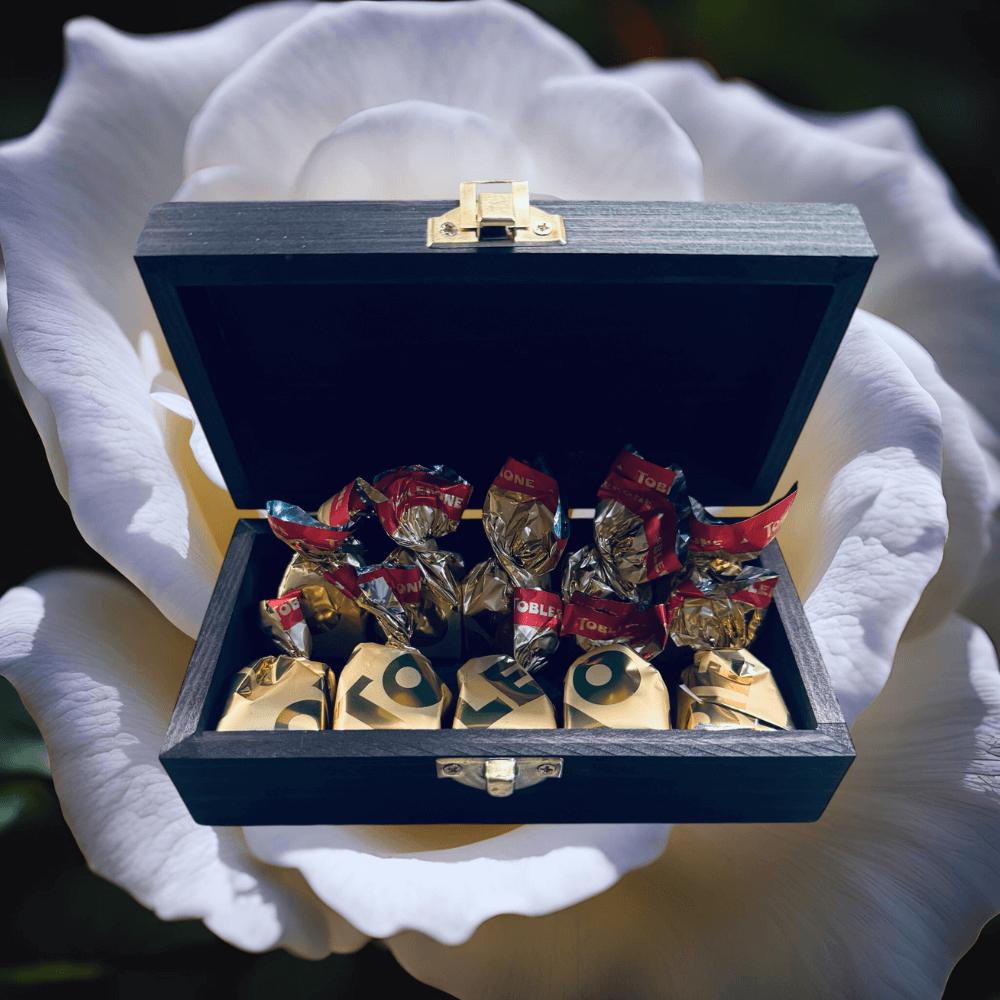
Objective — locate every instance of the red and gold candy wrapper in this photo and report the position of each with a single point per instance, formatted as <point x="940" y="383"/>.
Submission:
<point x="599" y="622"/>
<point x="641" y="524"/>
<point x="421" y="505"/>
<point x="329" y="599"/>
<point x="525" y="523"/>
<point x="391" y="686"/>
<point x="728" y="616"/>
<point x="284" y="621"/>
<point x="730" y="689"/>
<point x="495" y="692"/>
<point x="537" y="620"/>
<point x="326" y="560"/>
<point x="613" y="687"/>
<point x="718" y="551"/>
<point x="526" y="526"/>
<point x="727" y="687"/>
<point x="278" y="692"/>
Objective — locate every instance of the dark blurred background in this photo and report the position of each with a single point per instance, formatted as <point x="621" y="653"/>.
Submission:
<point x="63" y="929"/>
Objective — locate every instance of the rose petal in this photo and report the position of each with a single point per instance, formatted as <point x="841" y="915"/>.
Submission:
<point x="600" y="137"/>
<point x="168" y="390"/>
<point x="75" y="195"/>
<point x="938" y="276"/>
<point x="447" y="894"/>
<point x="409" y="151"/>
<point x="867" y="530"/>
<point x="485" y="57"/>
<point x="99" y="668"/>
<point x="879" y="898"/>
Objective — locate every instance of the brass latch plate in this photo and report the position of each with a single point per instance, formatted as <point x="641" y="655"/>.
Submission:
<point x="499" y="776"/>
<point x="494" y="218"/>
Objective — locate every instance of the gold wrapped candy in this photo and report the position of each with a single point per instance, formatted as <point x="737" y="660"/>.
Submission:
<point x="384" y="687"/>
<point x="392" y="686"/>
<point x="329" y="600"/>
<point x="729" y="615"/>
<point x="278" y="692"/>
<point x="614" y="687"/>
<point x="495" y="692"/>
<point x="527" y="529"/>
<point x="730" y="689"/>
<point x="421" y="505"/>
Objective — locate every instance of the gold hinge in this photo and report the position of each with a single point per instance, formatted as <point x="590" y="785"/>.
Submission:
<point x="494" y="218"/>
<point x="500" y="776"/>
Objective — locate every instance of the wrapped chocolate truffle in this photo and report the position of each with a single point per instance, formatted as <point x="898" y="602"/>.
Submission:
<point x="730" y="689"/>
<point x="324" y="567"/>
<point x="612" y="685"/>
<point x="527" y="528"/>
<point x="718" y="551"/>
<point x="391" y="686"/>
<point x="640" y="532"/>
<point x="717" y="612"/>
<point x="495" y="692"/>
<point x="421" y="505"/>
<point x="280" y="692"/>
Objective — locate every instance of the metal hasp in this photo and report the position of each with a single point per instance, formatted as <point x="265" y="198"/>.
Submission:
<point x="500" y="776"/>
<point x="494" y="218"/>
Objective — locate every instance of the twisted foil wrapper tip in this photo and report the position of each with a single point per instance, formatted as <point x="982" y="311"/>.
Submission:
<point x="536" y="616"/>
<point x="283" y="619"/>
<point x="641" y="523"/>
<point x="392" y="595"/>
<point x="600" y="622"/>
<point x="727" y="617"/>
<point x="421" y="503"/>
<point x="525" y="523"/>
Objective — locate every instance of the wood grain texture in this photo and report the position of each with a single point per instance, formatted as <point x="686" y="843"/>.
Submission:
<point x="389" y="776"/>
<point x="252" y="295"/>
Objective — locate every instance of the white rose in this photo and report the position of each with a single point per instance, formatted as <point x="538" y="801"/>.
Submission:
<point x="388" y="100"/>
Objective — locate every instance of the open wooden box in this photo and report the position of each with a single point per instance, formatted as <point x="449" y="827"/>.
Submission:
<point x="320" y="341"/>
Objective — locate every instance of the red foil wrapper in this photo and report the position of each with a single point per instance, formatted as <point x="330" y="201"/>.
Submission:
<point x="283" y="619"/>
<point x="421" y="505"/>
<point x="719" y="551"/>
<point x="537" y="619"/>
<point x="597" y="622"/>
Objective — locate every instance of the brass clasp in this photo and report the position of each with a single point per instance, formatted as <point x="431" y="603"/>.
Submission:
<point x="500" y="776"/>
<point x="494" y="218"/>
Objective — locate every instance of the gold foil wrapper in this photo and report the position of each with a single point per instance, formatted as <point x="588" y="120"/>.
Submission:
<point x="596" y="622"/>
<point x="497" y="693"/>
<point x="586" y="573"/>
<point x="537" y="625"/>
<point x="277" y="692"/>
<point x="336" y="622"/>
<point x="384" y="687"/>
<point x="487" y="619"/>
<point x="730" y="689"/>
<point x="438" y="627"/>
<point x="728" y="617"/>
<point x="525" y="523"/>
<point x="391" y="595"/>
<point x="613" y="687"/>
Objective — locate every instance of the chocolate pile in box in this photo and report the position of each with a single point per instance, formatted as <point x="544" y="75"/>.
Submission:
<point x="661" y="574"/>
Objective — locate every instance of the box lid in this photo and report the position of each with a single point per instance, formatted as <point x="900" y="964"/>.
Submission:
<point x="324" y="340"/>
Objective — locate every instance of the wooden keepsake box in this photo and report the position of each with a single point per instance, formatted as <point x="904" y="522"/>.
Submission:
<point x="325" y="340"/>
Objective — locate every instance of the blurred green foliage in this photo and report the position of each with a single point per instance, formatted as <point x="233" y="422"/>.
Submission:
<point x="64" y="929"/>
